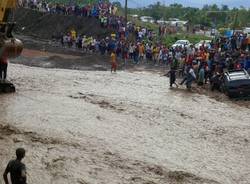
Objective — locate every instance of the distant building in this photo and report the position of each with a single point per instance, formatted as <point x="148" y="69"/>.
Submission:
<point x="246" y="30"/>
<point x="147" y="19"/>
<point x="173" y="19"/>
<point x="173" y="22"/>
<point x="134" y="16"/>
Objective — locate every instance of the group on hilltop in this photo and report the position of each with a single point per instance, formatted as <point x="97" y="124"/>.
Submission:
<point x="104" y="11"/>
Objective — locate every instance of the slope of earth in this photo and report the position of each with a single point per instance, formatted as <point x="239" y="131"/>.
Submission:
<point x="97" y="128"/>
<point x="44" y="25"/>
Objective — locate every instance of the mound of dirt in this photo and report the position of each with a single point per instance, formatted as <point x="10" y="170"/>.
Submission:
<point x="44" y="25"/>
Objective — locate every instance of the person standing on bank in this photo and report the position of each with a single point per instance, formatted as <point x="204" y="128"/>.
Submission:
<point x="16" y="168"/>
<point x="3" y="67"/>
<point x="113" y="62"/>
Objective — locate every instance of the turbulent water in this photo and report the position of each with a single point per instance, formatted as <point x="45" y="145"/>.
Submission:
<point x="95" y="127"/>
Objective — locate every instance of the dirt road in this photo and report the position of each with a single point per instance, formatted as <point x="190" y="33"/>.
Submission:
<point x="95" y="127"/>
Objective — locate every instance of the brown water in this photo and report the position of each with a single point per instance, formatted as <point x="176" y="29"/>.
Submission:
<point x="97" y="127"/>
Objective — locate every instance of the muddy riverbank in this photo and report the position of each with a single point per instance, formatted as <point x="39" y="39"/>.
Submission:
<point x="50" y="55"/>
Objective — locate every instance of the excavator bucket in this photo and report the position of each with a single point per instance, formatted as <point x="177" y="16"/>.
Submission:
<point x="10" y="47"/>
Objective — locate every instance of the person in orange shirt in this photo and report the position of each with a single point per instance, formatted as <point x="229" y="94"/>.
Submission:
<point x="113" y="62"/>
<point x="207" y="56"/>
<point x="155" y="54"/>
<point x="141" y="51"/>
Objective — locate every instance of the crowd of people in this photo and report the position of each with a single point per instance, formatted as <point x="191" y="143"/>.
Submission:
<point x="135" y="44"/>
<point x="209" y="63"/>
<point x="201" y="64"/>
<point x="104" y="11"/>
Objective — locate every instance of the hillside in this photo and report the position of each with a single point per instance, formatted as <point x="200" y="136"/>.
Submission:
<point x="38" y="24"/>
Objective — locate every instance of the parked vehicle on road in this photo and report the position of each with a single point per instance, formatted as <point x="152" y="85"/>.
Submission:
<point x="181" y="43"/>
<point x="205" y="43"/>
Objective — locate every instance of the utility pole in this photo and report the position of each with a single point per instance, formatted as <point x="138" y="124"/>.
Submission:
<point x="235" y="21"/>
<point x="126" y="12"/>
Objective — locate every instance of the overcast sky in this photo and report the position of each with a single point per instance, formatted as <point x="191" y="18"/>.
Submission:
<point x="192" y="3"/>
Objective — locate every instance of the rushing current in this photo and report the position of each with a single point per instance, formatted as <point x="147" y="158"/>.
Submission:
<point x="94" y="127"/>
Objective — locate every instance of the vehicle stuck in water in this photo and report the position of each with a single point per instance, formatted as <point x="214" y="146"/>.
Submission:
<point x="236" y="83"/>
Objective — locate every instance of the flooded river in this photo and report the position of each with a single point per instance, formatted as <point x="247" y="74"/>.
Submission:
<point x="93" y="127"/>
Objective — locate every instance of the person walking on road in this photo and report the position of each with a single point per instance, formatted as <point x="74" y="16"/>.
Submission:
<point x="190" y="77"/>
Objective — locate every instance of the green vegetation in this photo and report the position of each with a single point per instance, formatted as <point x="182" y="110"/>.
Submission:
<point x="169" y="40"/>
<point x="211" y="16"/>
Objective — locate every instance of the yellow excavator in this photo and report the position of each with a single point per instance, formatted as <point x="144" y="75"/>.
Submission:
<point x="10" y="47"/>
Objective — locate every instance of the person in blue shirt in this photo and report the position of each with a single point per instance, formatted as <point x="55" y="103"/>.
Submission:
<point x="247" y="64"/>
<point x="201" y="75"/>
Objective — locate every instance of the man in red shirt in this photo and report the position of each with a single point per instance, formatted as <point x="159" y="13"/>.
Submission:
<point x="3" y="67"/>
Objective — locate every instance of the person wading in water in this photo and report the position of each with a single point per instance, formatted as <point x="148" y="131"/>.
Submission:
<point x="16" y="168"/>
<point x="172" y="77"/>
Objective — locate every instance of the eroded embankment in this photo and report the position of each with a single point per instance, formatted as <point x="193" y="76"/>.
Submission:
<point x="45" y="25"/>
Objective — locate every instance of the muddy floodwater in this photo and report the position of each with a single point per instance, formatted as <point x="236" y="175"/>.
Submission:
<point x="93" y="127"/>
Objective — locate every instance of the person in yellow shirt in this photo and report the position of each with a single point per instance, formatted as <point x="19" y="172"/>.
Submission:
<point x="113" y="62"/>
<point x="113" y="36"/>
<point x="73" y="34"/>
<point x="155" y="54"/>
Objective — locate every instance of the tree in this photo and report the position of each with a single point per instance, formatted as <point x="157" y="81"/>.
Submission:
<point x="214" y="7"/>
<point x="206" y="7"/>
<point x="176" y="5"/>
<point x="207" y="16"/>
<point x="224" y="8"/>
<point x="117" y="4"/>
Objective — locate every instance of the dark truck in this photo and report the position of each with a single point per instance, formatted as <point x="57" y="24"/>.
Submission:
<point x="236" y="83"/>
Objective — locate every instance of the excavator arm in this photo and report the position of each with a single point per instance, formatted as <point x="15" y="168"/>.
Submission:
<point x="9" y="46"/>
<point x="5" y="8"/>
